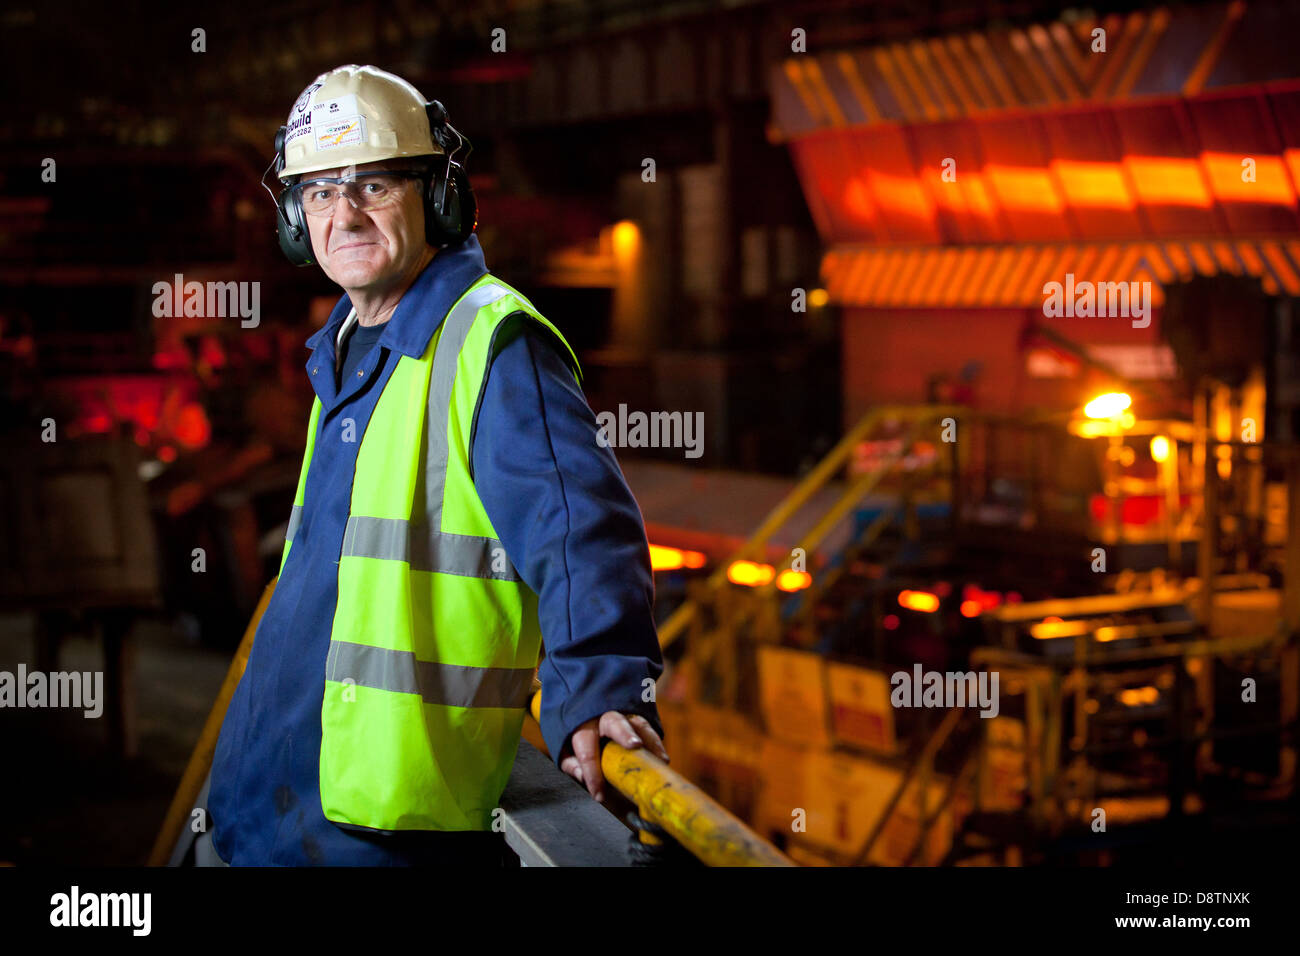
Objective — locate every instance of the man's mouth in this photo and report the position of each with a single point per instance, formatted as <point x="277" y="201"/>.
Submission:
<point x="352" y="245"/>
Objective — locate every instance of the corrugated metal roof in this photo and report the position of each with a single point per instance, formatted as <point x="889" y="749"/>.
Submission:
<point x="1014" y="275"/>
<point x="1160" y="52"/>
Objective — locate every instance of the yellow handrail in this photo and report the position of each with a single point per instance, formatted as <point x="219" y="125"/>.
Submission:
<point x="663" y="796"/>
<point x="693" y="818"/>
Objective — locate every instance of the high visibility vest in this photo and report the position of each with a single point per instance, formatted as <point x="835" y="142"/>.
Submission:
<point x="435" y="637"/>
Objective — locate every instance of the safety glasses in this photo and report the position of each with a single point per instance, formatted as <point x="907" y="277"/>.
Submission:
<point x="366" y="191"/>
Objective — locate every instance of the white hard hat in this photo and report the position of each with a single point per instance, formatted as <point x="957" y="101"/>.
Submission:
<point x="353" y="115"/>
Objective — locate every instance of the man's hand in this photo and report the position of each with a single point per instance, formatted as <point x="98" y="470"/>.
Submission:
<point x="632" y="731"/>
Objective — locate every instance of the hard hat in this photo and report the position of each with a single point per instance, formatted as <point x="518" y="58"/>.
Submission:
<point x="353" y="115"/>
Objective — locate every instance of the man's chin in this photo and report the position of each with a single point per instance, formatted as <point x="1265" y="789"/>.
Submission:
<point x="356" y="275"/>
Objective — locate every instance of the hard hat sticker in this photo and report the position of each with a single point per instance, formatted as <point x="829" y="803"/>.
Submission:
<point x="305" y="99"/>
<point x="344" y="132"/>
<point x="299" y="125"/>
<point x="335" y="109"/>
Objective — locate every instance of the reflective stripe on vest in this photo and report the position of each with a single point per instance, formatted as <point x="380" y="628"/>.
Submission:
<point x="449" y="684"/>
<point x="435" y="636"/>
<point x="392" y="539"/>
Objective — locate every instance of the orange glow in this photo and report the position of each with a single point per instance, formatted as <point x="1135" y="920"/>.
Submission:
<point x="1109" y="405"/>
<point x="901" y="194"/>
<point x="1291" y="157"/>
<point x="193" y="430"/>
<point x="789" y="580"/>
<point x="1139" y="696"/>
<point x="1168" y="180"/>
<point x="749" y="573"/>
<point x="1094" y="184"/>
<point x="987" y="600"/>
<point x="1025" y="188"/>
<point x="978" y="195"/>
<point x="663" y="558"/>
<point x="919" y="601"/>
<point x="626" y="238"/>
<point x="858" y="200"/>
<point x="971" y="608"/>
<point x="1271" y="185"/>
<point x="1053" y="627"/>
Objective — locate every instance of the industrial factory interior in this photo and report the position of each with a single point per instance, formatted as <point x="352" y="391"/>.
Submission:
<point x="657" y="436"/>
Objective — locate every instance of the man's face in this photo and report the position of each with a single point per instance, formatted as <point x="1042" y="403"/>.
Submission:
<point x="369" y="248"/>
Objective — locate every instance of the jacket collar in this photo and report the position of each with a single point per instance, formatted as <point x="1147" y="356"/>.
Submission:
<point x="423" y="306"/>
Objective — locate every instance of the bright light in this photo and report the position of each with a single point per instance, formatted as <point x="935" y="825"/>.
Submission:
<point x="1052" y="627"/>
<point x="753" y="575"/>
<point x="987" y="600"/>
<point x="627" y="237"/>
<point x="1107" y="406"/>
<point x="919" y="601"/>
<point x="789" y="580"/>
<point x="749" y="573"/>
<point x="1139" y="696"/>
<point x="663" y="558"/>
<point x="818" y="298"/>
<point x="971" y="608"/>
<point x="1159" y="448"/>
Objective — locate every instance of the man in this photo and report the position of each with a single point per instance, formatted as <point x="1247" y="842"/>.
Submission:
<point x="454" y="511"/>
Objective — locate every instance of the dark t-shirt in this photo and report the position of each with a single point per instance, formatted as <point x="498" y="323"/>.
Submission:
<point x="355" y="347"/>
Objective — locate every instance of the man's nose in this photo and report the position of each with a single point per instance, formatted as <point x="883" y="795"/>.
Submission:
<point x="347" y="212"/>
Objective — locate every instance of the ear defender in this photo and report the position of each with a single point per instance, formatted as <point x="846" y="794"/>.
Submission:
<point x="290" y="224"/>
<point x="450" y="209"/>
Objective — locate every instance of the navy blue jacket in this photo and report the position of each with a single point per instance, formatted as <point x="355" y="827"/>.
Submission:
<point x="569" y="524"/>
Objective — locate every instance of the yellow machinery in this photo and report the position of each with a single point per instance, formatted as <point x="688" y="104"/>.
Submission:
<point x="1145" y="649"/>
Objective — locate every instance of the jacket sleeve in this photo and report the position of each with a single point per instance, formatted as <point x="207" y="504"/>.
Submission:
<point x="573" y="530"/>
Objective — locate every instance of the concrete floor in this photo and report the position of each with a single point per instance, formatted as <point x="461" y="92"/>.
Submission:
<point x="67" y="798"/>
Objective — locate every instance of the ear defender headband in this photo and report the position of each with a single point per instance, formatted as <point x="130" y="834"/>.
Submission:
<point x="450" y="209"/>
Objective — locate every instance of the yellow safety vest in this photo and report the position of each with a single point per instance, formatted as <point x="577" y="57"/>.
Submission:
<point x="435" y="637"/>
